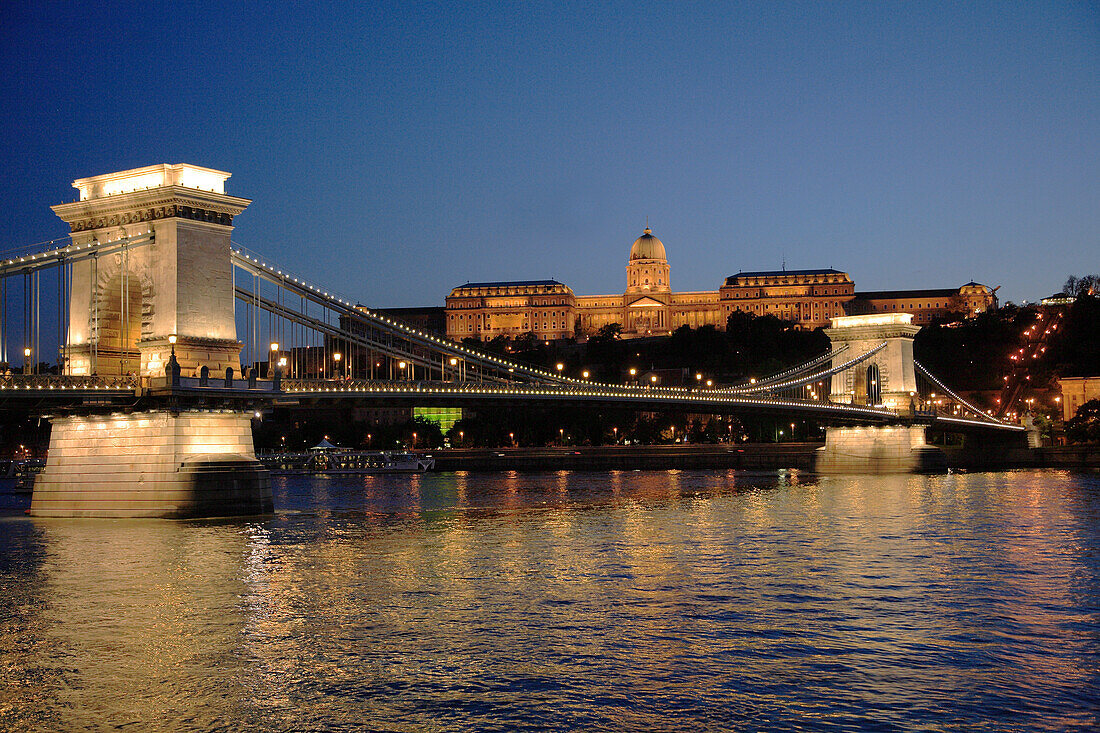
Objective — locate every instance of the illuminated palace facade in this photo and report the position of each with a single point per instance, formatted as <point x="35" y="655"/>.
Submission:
<point x="648" y="306"/>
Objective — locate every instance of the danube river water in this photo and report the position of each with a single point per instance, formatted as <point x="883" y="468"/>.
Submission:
<point x="673" y="601"/>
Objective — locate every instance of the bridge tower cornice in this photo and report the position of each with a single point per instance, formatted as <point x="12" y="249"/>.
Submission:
<point x="149" y="205"/>
<point x="870" y="333"/>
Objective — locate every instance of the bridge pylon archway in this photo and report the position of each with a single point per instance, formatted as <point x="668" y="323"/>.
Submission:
<point x="175" y="279"/>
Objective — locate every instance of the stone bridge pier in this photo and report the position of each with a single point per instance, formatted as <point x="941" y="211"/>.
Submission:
<point x="130" y="311"/>
<point x="887" y="379"/>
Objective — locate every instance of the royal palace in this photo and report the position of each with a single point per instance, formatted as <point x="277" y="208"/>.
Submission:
<point x="649" y="307"/>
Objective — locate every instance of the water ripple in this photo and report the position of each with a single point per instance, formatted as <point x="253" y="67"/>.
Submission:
<point x="569" y="601"/>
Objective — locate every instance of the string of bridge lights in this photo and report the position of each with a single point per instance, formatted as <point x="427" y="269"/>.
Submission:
<point x="582" y="388"/>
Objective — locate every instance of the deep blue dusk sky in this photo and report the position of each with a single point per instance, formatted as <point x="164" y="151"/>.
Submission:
<point x="394" y="152"/>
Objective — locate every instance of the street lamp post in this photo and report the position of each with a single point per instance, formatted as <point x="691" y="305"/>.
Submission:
<point x="173" y="365"/>
<point x="336" y="357"/>
<point x="26" y="361"/>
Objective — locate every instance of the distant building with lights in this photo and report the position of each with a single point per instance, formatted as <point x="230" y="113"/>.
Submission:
<point x="649" y="307"/>
<point x="926" y="305"/>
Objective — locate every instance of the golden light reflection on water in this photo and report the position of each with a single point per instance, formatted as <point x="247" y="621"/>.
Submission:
<point x="567" y="600"/>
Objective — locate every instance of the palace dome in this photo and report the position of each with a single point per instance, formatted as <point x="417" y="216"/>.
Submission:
<point x="647" y="247"/>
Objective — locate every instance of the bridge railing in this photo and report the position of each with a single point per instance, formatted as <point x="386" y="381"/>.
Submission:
<point x="127" y="383"/>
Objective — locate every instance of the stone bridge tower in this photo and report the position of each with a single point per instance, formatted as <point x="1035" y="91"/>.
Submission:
<point x="124" y="305"/>
<point x="888" y="378"/>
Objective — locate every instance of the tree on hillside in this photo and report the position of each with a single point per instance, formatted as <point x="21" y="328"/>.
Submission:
<point x="1075" y="349"/>
<point x="759" y="345"/>
<point x="973" y="354"/>
<point x="1084" y="427"/>
<point x="1084" y="285"/>
<point x="610" y="332"/>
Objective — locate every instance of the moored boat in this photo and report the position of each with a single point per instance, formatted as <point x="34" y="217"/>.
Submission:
<point x="348" y="462"/>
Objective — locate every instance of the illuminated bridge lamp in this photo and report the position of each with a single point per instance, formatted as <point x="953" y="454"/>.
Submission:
<point x="585" y="374"/>
<point x="172" y="342"/>
<point x="559" y="366"/>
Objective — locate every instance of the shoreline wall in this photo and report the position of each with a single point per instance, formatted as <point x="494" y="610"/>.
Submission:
<point x="749" y="456"/>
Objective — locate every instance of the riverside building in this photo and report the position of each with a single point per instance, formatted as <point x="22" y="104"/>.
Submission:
<point x="649" y="307"/>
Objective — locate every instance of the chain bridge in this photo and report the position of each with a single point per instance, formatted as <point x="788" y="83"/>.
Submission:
<point x="150" y="339"/>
